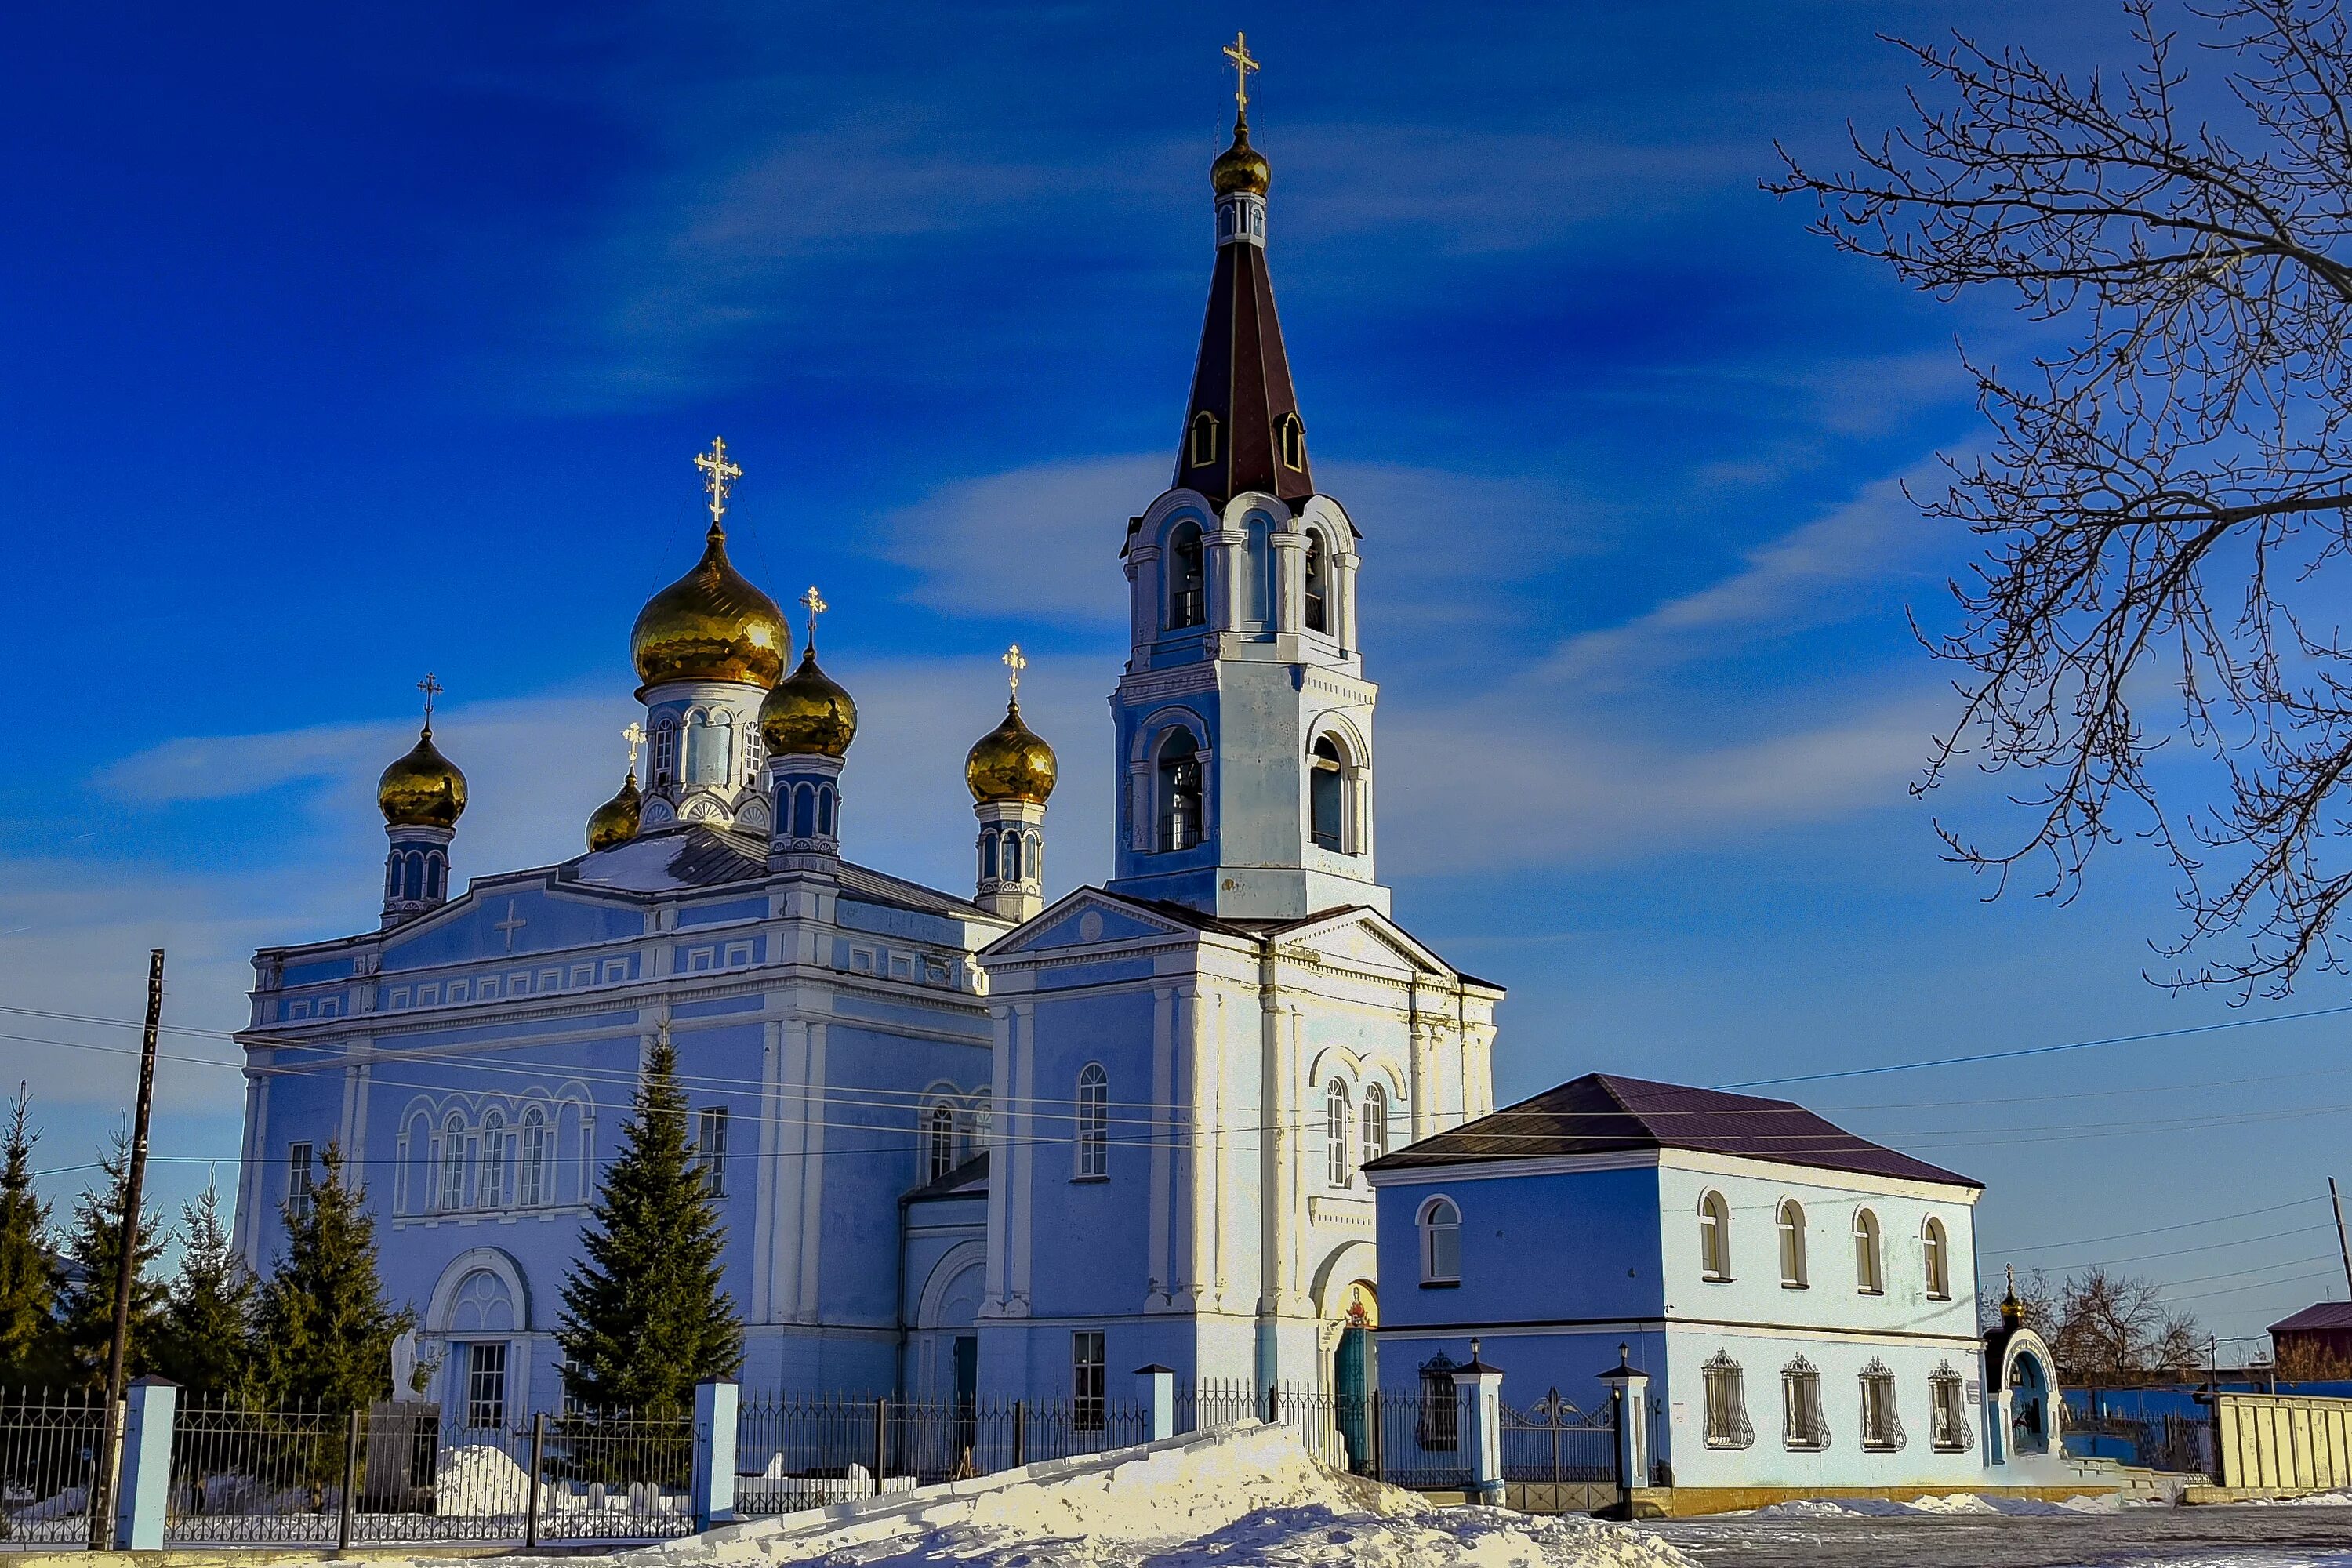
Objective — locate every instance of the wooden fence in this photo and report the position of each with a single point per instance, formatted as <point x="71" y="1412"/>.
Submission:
<point x="2282" y="1442"/>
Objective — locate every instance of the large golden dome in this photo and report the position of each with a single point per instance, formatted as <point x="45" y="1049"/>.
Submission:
<point x="711" y="624"/>
<point x="1010" y="761"/>
<point x="615" y="821"/>
<point x="808" y="714"/>
<point x="422" y="789"/>
<point x="1241" y="167"/>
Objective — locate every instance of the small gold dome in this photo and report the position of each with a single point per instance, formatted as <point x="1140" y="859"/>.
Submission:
<point x="711" y="624"/>
<point x="1010" y="761"/>
<point x="615" y="821"/>
<point x="422" y="789"/>
<point x="808" y="714"/>
<point x="1241" y="167"/>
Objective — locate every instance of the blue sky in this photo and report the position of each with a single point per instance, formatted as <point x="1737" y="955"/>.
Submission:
<point x="344" y="346"/>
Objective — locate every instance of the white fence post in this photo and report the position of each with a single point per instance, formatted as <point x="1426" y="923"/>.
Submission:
<point x="1485" y="1385"/>
<point x="145" y="1485"/>
<point x="1155" y="1390"/>
<point x="716" y="1406"/>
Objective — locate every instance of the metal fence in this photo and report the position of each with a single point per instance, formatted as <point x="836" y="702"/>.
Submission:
<point x="1420" y="1440"/>
<point x="50" y="1442"/>
<point x="799" y="1451"/>
<point x="1554" y="1441"/>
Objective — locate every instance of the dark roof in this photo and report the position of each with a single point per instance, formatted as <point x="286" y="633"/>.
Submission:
<point x="709" y="857"/>
<point x="1601" y="1114"/>
<point x="2321" y="1315"/>
<point x="1242" y="380"/>
<point x="969" y="1180"/>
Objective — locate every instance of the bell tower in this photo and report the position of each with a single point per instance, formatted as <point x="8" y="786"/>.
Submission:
<point x="1245" y="722"/>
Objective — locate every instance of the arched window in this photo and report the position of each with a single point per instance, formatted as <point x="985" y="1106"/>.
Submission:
<point x="1336" y="1117"/>
<point x="664" y="751"/>
<point x="1376" y="1123"/>
<point x="824" y="799"/>
<point x="1260" y="604"/>
<point x="939" y="1142"/>
<point x="803" y="810"/>
<point x="1204" y="439"/>
<point x="411" y="875"/>
<point x="1713" y="1237"/>
<point x="1867" y="1276"/>
<point x="1937" y="1252"/>
<point x="1326" y="795"/>
<point x="1179" y="792"/>
<point x="988" y="854"/>
<point x="751" y="753"/>
<point x="453" y="1162"/>
<point x="1441" y="1243"/>
<point x="490" y="1184"/>
<point x="1792" y="1245"/>
<point x="1318" y="582"/>
<point x="980" y="1124"/>
<point x="1035" y="860"/>
<point x="709" y="747"/>
<point x="1291" y="436"/>
<point x="1012" y="857"/>
<point x="1094" y="1121"/>
<point x="1187" y="598"/>
<point x="535" y="1161"/>
<point x="436" y="875"/>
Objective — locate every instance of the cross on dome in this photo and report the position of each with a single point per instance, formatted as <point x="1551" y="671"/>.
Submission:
<point x="815" y="604"/>
<point x="1016" y="663"/>
<point x="719" y="475"/>
<point x="635" y="736"/>
<point x="432" y="689"/>
<point x="1238" y="52"/>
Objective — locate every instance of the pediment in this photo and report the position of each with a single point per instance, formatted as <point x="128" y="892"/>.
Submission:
<point x="1367" y="939"/>
<point x="1087" y="917"/>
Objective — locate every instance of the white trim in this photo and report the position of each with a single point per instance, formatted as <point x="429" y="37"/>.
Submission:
<point x="1697" y="1160"/>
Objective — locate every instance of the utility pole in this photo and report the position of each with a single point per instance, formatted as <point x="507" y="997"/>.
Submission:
<point x="2341" y="1245"/>
<point x="102" y="1518"/>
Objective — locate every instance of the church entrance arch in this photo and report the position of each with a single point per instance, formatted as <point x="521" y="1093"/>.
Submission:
<point x="2032" y="1420"/>
<point x="943" y="1353"/>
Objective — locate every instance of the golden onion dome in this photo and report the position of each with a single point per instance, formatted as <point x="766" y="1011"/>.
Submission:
<point x="808" y="714"/>
<point x="422" y="789"/>
<point x="711" y="624"/>
<point x="615" y="821"/>
<point x="1012" y="761"/>
<point x="1241" y="167"/>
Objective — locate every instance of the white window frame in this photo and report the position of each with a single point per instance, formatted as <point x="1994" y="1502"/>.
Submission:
<point x="1092" y="1120"/>
<point x="1713" y="1237"/>
<point x="1788" y="1221"/>
<point x="1935" y="1257"/>
<point x="1440" y="1224"/>
<point x="1338" y="1132"/>
<point x="1869" y="1254"/>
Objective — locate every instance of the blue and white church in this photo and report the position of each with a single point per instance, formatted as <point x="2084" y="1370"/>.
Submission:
<point x="961" y="1140"/>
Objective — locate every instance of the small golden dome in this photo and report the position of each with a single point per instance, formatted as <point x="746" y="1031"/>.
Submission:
<point x="615" y="821"/>
<point x="1012" y="761"/>
<point x="808" y="714"/>
<point x="1241" y="167"/>
<point x="711" y="624"/>
<point x="422" y="789"/>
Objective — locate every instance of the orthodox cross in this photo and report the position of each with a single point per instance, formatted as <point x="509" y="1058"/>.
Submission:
<point x="1014" y="662"/>
<point x="718" y="473"/>
<point x="635" y="736"/>
<point x="432" y="689"/>
<point x="817" y="607"/>
<point x="512" y="924"/>
<point x="1238" y="52"/>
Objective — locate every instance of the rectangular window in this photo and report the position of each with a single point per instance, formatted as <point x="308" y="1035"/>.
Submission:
<point x="583" y="974"/>
<point x="326" y="1006"/>
<point x="550" y="980"/>
<point x="519" y="984"/>
<point x="902" y="966"/>
<point x="491" y="1181"/>
<point x="486" y="1385"/>
<point x="1800" y="1400"/>
<point x="488" y="991"/>
<point x="299" y="1201"/>
<point x="399" y="997"/>
<point x="738" y="954"/>
<point x="710" y="1150"/>
<point x="298" y="1011"/>
<point x="700" y="960"/>
<point x="429" y="995"/>
<point x="861" y="960"/>
<point x="1086" y="1380"/>
<point x="1727" y="1404"/>
<point x="457" y="990"/>
<point x="615" y="969"/>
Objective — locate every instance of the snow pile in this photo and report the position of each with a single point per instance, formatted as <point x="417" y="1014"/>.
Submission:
<point x="1245" y="1498"/>
<point x="476" y="1478"/>
<point x="1949" y="1503"/>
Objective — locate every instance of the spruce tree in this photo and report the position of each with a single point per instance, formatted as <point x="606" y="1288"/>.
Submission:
<point x="644" y="1317"/>
<point x="203" y="1344"/>
<point x="322" y="1330"/>
<point x="95" y="1248"/>
<point x="30" y="1351"/>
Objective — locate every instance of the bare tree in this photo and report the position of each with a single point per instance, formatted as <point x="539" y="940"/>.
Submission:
<point x="2169" y="482"/>
<point x="2107" y="1328"/>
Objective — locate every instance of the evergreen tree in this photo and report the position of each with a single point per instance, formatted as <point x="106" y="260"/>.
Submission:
<point x="30" y="1352"/>
<point x="95" y="1249"/>
<point x="644" y="1317"/>
<point x="203" y="1344"/>
<point x="322" y="1330"/>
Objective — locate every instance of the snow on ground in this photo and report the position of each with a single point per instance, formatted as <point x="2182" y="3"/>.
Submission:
<point x="1950" y="1503"/>
<point x="1245" y="1499"/>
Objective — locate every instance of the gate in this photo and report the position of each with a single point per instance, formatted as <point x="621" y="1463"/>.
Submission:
<point x="1558" y="1459"/>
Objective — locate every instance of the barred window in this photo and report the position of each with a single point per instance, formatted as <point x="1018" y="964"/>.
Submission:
<point x="1947" y="1406"/>
<point x="1727" y="1404"/>
<point x="1882" y="1426"/>
<point x="1094" y="1122"/>
<point x="1439" y="1426"/>
<point x="1086" y="1380"/>
<point x="1803" y="1426"/>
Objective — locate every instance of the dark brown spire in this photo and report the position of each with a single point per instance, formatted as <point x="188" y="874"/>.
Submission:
<point x="1242" y="428"/>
